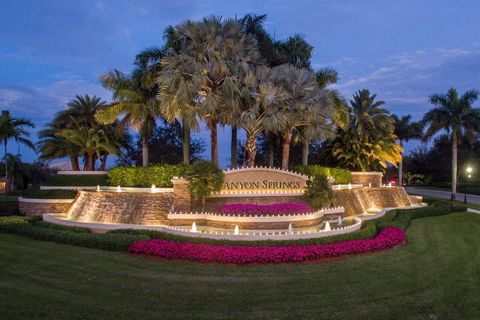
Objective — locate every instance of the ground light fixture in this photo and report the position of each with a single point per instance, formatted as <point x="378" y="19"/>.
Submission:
<point x="469" y="171"/>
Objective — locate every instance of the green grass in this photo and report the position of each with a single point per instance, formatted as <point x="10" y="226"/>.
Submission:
<point x="434" y="276"/>
<point x="7" y="198"/>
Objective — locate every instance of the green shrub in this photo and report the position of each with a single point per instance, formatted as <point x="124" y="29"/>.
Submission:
<point x="204" y="178"/>
<point x="369" y="230"/>
<point x="341" y="176"/>
<point x="318" y="193"/>
<point x="76" y="180"/>
<point x="50" y="194"/>
<point x="47" y="225"/>
<point x="159" y="175"/>
<point x="24" y="227"/>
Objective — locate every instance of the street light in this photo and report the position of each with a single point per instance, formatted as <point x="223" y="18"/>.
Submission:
<point x="469" y="171"/>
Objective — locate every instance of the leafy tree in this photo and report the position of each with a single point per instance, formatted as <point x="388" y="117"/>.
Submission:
<point x="406" y="130"/>
<point x="455" y="115"/>
<point x="204" y="178"/>
<point x="14" y="129"/>
<point x="52" y="146"/>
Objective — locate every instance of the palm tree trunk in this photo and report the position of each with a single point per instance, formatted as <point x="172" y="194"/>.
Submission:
<point x="233" y="148"/>
<point x="5" y="141"/>
<point x="286" y="139"/>
<point x="90" y="161"/>
<point x="74" y="162"/>
<point x="454" y="163"/>
<point x="250" y="149"/>
<point x="186" y="144"/>
<point x="213" y="141"/>
<point x="144" y="151"/>
<point x="400" y="166"/>
<point x="104" y="162"/>
<point x="271" y="150"/>
<point x="305" y="153"/>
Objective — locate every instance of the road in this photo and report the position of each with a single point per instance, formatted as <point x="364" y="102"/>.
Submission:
<point x="471" y="198"/>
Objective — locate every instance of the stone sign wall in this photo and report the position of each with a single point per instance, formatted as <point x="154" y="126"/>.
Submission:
<point x="262" y="180"/>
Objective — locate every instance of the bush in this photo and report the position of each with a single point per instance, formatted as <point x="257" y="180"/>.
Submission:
<point x="341" y="176"/>
<point x="159" y="175"/>
<point x="318" y="194"/>
<point x="50" y="194"/>
<point x="204" y="178"/>
<point x="24" y="227"/>
<point x="76" y="180"/>
<point x="369" y="230"/>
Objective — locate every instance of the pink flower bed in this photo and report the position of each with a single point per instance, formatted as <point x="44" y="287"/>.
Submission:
<point x="387" y="238"/>
<point x="264" y="209"/>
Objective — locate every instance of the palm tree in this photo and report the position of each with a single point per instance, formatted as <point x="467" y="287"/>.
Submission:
<point x="52" y="145"/>
<point x="454" y="114"/>
<point x="92" y="141"/>
<point x="212" y="53"/>
<point x="134" y="101"/>
<point x="306" y="107"/>
<point x="14" y="128"/>
<point x="260" y="98"/>
<point x="406" y="130"/>
<point x="368" y="141"/>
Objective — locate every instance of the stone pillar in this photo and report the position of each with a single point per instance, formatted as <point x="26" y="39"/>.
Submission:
<point x="181" y="195"/>
<point x="366" y="178"/>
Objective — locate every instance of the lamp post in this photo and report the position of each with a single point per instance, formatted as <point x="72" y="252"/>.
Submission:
<point x="469" y="171"/>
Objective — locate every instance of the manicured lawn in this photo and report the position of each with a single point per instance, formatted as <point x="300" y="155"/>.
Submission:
<point x="435" y="276"/>
<point x="7" y="198"/>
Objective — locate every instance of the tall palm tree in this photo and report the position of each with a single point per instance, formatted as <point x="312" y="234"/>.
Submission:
<point x="14" y="129"/>
<point x="134" y="101"/>
<point x="406" y="130"/>
<point x="306" y="107"/>
<point x="454" y="114"/>
<point x="211" y="54"/>
<point x="260" y="99"/>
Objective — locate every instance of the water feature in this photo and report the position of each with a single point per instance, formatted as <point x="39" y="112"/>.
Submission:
<point x="194" y="227"/>
<point x="327" y="226"/>
<point x="236" y="231"/>
<point x="339" y="220"/>
<point x="290" y="228"/>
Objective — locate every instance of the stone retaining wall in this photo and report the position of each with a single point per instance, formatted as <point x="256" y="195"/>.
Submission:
<point x="121" y="207"/>
<point x="38" y="207"/>
<point x="373" y="179"/>
<point x="358" y="201"/>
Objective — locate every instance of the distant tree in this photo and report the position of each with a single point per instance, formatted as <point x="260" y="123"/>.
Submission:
<point x="165" y="145"/>
<point x="455" y="115"/>
<point x="406" y="130"/>
<point x="14" y="129"/>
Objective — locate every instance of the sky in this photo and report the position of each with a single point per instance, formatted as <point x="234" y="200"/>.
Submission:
<point x="404" y="51"/>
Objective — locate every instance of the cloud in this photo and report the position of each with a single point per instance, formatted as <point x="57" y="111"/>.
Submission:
<point x="406" y="79"/>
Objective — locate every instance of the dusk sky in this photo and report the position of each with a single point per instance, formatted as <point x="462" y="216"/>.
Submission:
<point x="403" y="51"/>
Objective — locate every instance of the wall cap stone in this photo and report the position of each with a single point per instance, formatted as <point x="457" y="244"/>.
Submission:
<point x="35" y="200"/>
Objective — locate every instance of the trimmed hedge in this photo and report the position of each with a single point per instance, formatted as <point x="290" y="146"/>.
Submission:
<point x="159" y="175"/>
<point x="50" y="194"/>
<point x="23" y="227"/>
<point x="76" y="180"/>
<point x="402" y="218"/>
<point x="341" y="176"/>
<point x="369" y="230"/>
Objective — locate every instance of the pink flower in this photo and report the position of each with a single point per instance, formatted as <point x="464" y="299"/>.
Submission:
<point x="264" y="209"/>
<point x="387" y="238"/>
